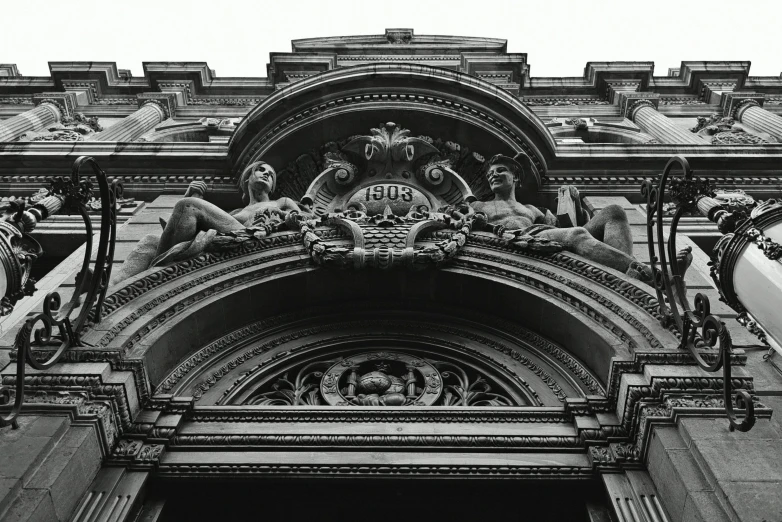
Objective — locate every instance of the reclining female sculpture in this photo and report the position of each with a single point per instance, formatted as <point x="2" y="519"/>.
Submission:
<point x="195" y="223"/>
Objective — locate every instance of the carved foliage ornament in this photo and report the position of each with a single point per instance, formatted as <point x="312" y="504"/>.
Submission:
<point x="74" y="128"/>
<point x="382" y="378"/>
<point x="727" y="131"/>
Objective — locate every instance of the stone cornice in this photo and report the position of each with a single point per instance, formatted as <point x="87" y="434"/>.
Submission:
<point x="104" y="85"/>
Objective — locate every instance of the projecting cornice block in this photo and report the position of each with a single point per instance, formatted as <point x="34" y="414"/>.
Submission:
<point x="703" y="79"/>
<point x="509" y="71"/>
<point x="287" y="68"/>
<point x="9" y="70"/>
<point x="608" y="77"/>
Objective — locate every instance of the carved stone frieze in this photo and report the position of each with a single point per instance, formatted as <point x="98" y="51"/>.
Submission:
<point x="86" y="405"/>
<point x="412" y="441"/>
<point x="69" y="128"/>
<point x="562" y="101"/>
<point x="364" y="470"/>
<point x="727" y="131"/>
<point x="45" y="388"/>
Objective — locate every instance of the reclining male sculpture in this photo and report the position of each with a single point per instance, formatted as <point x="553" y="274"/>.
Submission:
<point x="606" y="239"/>
<point x="195" y="222"/>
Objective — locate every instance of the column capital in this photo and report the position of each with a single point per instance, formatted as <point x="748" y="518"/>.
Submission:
<point x="733" y="102"/>
<point x="165" y="100"/>
<point x="630" y="102"/>
<point x="65" y="101"/>
<point x="618" y="86"/>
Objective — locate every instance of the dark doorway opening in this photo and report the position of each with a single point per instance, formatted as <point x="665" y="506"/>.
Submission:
<point x="381" y="500"/>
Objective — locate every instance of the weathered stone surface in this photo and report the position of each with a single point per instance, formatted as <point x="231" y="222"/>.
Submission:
<point x="21" y="451"/>
<point x="716" y="429"/>
<point x="68" y="469"/>
<point x="32" y="505"/>
<point x="755" y="500"/>
<point x="674" y="471"/>
<point x="703" y="506"/>
<point x="740" y="460"/>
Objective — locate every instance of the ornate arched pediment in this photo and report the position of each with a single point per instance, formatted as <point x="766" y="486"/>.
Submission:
<point x="163" y="316"/>
<point x="369" y="354"/>
<point x="333" y="106"/>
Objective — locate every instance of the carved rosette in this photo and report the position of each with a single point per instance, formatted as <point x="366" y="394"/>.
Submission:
<point x="381" y="378"/>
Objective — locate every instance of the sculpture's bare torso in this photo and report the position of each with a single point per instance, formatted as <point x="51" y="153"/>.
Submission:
<point x="510" y="214"/>
<point x="246" y="216"/>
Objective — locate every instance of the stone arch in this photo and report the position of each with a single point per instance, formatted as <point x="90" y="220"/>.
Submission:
<point x="160" y="318"/>
<point x="457" y="106"/>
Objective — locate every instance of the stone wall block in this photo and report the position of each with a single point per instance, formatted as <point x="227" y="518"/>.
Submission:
<point x="69" y="469"/>
<point x="702" y="506"/>
<point x="32" y="505"/>
<point x="23" y="450"/>
<point x="674" y="471"/>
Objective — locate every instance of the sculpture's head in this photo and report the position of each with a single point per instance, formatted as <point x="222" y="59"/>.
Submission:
<point x="508" y="174"/>
<point x="258" y="178"/>
<point x="504" y="173"/>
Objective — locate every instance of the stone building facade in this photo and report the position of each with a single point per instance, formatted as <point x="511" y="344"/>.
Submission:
<point x="314" y="360"/>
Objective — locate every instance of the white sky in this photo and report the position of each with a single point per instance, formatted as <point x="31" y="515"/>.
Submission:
<point x="235" y="37"/>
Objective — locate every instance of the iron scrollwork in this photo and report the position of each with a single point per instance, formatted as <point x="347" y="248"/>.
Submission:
<point x="55" y="324"/>
<point x="699" y="328"/>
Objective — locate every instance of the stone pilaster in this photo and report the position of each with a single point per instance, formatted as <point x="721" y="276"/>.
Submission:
<point x="153" y="109"/>
<point x="641" y="109"/>
<point x="50" y="108"/>
<point x="747" y="108"/>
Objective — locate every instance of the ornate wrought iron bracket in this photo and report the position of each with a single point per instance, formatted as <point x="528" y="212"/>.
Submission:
<point x="699" y="329"/>
<point x="64" y="326"/>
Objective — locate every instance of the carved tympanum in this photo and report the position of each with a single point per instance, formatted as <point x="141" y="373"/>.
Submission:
<point x="382" y="378"/>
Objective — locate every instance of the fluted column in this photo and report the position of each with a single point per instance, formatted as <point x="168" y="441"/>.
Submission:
<point x="643" y="112"/>
<point x="50" y="108"/>
<point x="747" y="108"/>
<point x="153" y="109"/>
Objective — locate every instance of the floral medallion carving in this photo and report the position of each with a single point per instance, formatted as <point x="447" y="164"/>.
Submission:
<point x="382" y="378"/>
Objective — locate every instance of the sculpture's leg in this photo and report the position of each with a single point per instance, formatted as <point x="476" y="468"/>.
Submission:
<point x="610" y="225"/>
<point x="579" y="241"/>
<point x="192" y="215"/>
